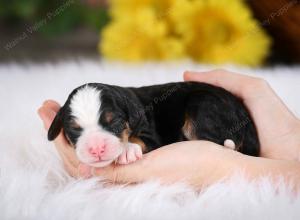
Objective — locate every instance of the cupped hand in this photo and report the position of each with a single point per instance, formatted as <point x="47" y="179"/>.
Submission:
<point x="47" y="113"/>
<point x="278" y="129"/>
<point x="199" y="163"/>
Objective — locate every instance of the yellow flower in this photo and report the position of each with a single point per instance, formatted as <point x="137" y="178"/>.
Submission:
<point x="220" y="31"/>
<point x="211" y="31"/>
<point x="141" y="36"/>
<point x="124" y="8"/>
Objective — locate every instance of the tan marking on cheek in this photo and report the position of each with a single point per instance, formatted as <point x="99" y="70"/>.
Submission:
<point x="138" y="141"/>
<point x="109" y="117"/>
<point x="69" y="141"/>
<point x="125" y="134"/>
<point x="188" y="129"/>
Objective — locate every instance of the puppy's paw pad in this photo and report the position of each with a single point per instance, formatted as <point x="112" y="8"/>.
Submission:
<point x="131" y="153"/>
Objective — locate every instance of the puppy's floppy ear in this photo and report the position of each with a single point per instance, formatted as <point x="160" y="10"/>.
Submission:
<point x="136" y="116"/>
<point x="56" y="125"/>
<point x="133" y="107"/>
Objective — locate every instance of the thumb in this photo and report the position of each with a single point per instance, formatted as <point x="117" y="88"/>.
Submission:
<point x="131" y="173"/>
<point x="233" y="82"/>
<point x="47" y="114"/>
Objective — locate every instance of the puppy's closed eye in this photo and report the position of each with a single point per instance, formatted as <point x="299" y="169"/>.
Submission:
<point x="72" y="131"/>
<point x="74" y="125"/>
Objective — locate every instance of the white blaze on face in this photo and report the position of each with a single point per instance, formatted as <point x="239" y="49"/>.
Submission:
<point x="85" y="106"/>
<point x="95" y="146"/>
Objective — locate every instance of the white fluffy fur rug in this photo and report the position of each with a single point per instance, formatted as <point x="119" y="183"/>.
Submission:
<point x="33" y="184"/>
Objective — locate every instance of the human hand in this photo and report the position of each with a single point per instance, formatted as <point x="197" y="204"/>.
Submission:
<point x="47" y="113"/>
<point x="278" y="129"/>
<point x="199" y="163"/>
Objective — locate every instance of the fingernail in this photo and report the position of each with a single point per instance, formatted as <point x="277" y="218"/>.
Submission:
<point x="187" y="73"/>
<point x="45" y="102"/>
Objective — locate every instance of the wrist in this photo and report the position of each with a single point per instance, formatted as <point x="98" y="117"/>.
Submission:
<point x="289" y="146"/>
<point x="276" y="171"/>
<point x="297" y="138"/>
<point x="225" y="163"/>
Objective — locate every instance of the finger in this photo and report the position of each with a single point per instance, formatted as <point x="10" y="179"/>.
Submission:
<point x="55" y="106"/>
<point x="48" y="111"/>
<point x="232" y="82"/>
<point x="70" y="167"/>
<point x="47" y="115"/>
<point x="66" y="149"/>
<point x="63" y="147"/>
<point x="84" y="171"/>
<point x="131" y="173"/>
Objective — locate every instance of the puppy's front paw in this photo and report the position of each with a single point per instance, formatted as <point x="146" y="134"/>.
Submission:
<point x="131" y="153"/>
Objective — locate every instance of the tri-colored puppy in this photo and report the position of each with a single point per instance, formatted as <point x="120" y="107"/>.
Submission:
<point x="107" y="123"/>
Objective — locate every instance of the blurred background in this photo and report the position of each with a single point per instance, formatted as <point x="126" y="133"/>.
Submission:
<point x="250" y="33"/>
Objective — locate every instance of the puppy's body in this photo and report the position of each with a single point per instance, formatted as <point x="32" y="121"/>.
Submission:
<point x="150" y="117"/>
<point x="197" y="111"/>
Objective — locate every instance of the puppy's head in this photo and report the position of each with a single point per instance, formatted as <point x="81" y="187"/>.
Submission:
<point x="96" y="121"/>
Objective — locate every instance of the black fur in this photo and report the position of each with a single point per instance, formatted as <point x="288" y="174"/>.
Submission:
<point x="157" y="114"/>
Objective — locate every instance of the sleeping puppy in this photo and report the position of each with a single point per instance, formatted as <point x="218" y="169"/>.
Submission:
<point x="107" y="123"/>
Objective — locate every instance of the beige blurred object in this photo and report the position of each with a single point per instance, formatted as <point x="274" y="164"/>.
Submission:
<point x="282" y="19"/>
